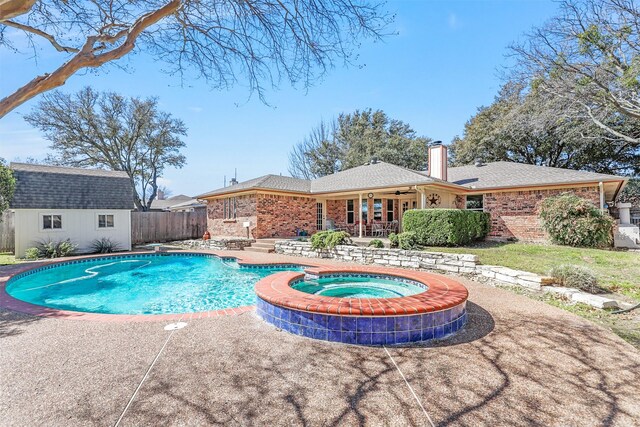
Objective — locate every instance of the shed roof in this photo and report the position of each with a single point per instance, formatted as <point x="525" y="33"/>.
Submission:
<point x="55" y="187"/>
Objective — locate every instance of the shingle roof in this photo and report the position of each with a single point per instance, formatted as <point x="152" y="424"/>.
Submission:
<point x="510" y="174"/>
<point x="167" y="203"/>
<point x="266" y="182"/>
<point x="381" y="175"/>
<point x="373" y="175"/>
<point x="54" y="187"/>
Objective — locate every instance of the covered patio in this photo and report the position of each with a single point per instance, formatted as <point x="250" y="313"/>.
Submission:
<point x="377" y="212"/>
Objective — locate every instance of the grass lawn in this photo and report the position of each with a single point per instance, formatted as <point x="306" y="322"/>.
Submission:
<point x="7" y="258"/>
<point x="617" y="271"/>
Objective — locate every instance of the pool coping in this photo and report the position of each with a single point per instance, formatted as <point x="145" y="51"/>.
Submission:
<point x="442" y="293"/>
<point x="10" y="303"/>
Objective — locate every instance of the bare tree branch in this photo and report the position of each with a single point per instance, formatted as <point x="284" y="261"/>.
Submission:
<point x="40" y="33"/>
<point x="260" y="41"/>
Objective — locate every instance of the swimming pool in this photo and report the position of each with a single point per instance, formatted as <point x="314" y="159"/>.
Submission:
<point x="142" y="284"/>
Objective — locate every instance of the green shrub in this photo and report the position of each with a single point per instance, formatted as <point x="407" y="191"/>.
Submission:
<point x="330" y="239"/>
<point x="104" y="246"/>
<point x="393" y="240"/>
<point x="55" y="249"/>
<point x="376" y="243"/>
<point x="573" y="221"/>
<point x="32" y="253"/>
<point x="446" y="227"/>
<point x="408" y="240"/>
<point x="574" y="276"/>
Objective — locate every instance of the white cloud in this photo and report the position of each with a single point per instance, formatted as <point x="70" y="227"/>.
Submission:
<point x="196" y="109"/>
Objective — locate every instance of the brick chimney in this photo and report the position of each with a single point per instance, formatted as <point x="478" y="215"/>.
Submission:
<point x="160" y="194"/>
<point x="438" y="161"/>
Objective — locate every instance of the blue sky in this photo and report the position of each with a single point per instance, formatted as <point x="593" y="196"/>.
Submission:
<point x="444" y="63"/>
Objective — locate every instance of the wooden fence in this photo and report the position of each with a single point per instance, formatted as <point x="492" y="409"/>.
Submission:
<point x="149" y="227"/>
<point x="7" y="232"/>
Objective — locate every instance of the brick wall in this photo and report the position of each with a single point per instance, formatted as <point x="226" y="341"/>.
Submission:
<point x="337" y="211"/>
<point x="514" y="214"/>
<point x="245" y="211"/>
<point x="280" y="216"/>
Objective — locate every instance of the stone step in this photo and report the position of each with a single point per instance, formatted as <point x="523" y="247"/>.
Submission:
<point x="259" y="249"/>
<point x="262" y="245"/>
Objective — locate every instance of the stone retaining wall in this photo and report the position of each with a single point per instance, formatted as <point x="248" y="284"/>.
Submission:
<point x="420" y="260"/>
<point x="215" y="243"/>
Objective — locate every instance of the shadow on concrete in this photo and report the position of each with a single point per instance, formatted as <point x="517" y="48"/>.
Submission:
<point x="535" y="371"/>
<point x="13" y="323"/>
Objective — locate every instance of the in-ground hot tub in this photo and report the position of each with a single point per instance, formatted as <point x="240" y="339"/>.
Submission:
<point x="372" y="306"/>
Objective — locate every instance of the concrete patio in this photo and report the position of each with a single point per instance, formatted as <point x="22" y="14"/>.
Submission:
<point x="518" y="362"/>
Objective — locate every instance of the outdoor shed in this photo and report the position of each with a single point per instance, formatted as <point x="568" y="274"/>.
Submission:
<point x="54" y="203"/>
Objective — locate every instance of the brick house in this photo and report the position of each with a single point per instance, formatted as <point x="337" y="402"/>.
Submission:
<point x="379" y="192"/>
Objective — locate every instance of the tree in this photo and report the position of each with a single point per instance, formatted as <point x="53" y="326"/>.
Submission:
<point x="631" y="193"/>
<point x="589" y="55"/>
<point x="107" y="130"/>
<point x="529" y="125"/>
<point x="354" y="139"/>
<point x="259" y="41"/>
<point x="7" y="186"/>
<point x="318" y="154"/>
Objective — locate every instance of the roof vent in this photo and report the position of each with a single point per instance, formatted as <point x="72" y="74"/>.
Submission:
<point x="374" y="160"/>
<point x="478" y="162"/>
<point x="233" y="181"/>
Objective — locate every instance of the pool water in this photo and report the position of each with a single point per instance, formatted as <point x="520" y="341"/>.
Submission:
<point x="153" y="284"/>
<point x="358" y="287"/>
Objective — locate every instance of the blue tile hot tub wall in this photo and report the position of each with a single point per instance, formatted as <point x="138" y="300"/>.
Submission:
<point x="364" y="330"/>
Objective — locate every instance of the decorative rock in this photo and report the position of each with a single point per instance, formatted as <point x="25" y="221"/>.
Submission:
<point x="594" y="300"/>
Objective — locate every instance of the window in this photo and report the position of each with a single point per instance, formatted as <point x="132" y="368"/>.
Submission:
<point x="389" y="210"/>
<point x="105" y="221"/>
<point x="350" y="212"/>
<point x="229" y="208"/>
<point x="365" y="210"/>
<point x="319" y="216"/>
<point x="51" y="222"/>
<point x="475" y="203"/>
<point x="377" y="209"/>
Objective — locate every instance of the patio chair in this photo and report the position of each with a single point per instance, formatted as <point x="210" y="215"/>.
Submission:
<point x="389" y="228"/>
<point x="377" y="229"/>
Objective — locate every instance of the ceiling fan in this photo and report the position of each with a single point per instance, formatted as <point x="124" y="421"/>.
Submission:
<point x="398" y="192"/>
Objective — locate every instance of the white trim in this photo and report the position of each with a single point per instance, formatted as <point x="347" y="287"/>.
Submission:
<point x="50" y="213"/>
<point x="97" y="221"/>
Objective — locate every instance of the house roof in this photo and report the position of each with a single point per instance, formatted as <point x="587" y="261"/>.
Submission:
<point x="383" y="175"/>
<point x="265" y="182"/>
<point x="191" y="203"/>
<point x="168" y="202"/>
<point x="371" y="175"/>
<point x="55" y="187"/>
<point x="510" y="174"/>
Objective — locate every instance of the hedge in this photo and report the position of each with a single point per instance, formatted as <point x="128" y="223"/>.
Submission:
<point x="446" y="227"/>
